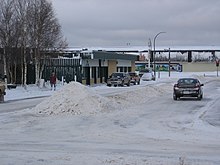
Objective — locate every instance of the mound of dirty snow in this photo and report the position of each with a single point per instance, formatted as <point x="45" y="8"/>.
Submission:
<point x="142" y="95"/>
<point x="75" y="98"/>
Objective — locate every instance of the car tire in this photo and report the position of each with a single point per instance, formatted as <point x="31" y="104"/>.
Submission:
<point x="174" y="97"/>
<point x="122" y="83"/>
<point x="128" y="84"/>
<point x="200" y="97"/>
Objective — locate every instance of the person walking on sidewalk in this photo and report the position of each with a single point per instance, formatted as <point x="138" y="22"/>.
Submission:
<point x="53" y="80"/>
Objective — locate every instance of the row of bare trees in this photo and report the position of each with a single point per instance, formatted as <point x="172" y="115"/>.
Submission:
<point x="28" y="28"/>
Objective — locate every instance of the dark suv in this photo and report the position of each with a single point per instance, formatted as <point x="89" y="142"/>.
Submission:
<point x="188" y="87"/>
<point x="118" y="79"/>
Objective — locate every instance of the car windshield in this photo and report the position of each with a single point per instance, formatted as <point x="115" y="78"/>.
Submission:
<point x="132" y="74"/>
<point x="187" y="81"/>
<point x="145" y="70"/>
<point x="117" y="75"/>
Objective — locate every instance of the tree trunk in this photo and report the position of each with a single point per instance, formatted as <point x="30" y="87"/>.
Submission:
<point x="5" y="67"/>
<point x="15" y="72"/>
<point x="25" y="69"/>
<point x="36" y="72"/>
<point x="22" y="70"/>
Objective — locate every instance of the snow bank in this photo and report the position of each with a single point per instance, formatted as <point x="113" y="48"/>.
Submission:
<point x="143" y="95"/>
<point x="75" y="98"/>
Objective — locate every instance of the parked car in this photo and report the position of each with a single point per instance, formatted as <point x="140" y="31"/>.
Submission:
<point x="146" y="74"/>
<point x="135" y="78"/>
<point x="188" y="87"/>
<point x="2" y="89"/>
<point x="119" y="79"/>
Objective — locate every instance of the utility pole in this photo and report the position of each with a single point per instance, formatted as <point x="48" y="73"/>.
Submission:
<point x="169" y="62"/>
<point x="149" y="52"/>
<point x="217" y="65"/>
<point x="155" y="52"/>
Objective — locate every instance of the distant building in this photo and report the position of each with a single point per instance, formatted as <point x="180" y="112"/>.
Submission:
<point x="88" y="67"/>
<point x="94" y="65"/>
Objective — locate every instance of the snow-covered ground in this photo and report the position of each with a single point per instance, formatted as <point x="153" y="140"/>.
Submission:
<point x="92" y="125"/>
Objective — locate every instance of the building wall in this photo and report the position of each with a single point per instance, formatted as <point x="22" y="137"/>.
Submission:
<point x="94" y="62"/>
<point x="123" y="63"/>
<point x="199" y="67"/>
<point x="112" y="66"/>
<point x="132" y="66"/>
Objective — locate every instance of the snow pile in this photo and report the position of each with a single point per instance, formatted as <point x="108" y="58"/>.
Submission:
<point x="75" y="98"/>
<point x="143" y="95"/>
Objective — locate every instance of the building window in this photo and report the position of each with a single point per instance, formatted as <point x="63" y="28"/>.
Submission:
<point x="129" y="69"/>
<point x="120" y="69"/>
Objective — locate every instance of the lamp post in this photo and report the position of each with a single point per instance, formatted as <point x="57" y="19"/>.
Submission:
<point x="155" y="52"/>
<point x="169" y="62"/>
<point x="149" y="52"/>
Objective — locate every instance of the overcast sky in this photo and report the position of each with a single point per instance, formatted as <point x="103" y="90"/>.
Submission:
<point x="123" y="22"/>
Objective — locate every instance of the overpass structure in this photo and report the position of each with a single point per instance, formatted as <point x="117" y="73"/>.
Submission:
<point x="189" y="50"/>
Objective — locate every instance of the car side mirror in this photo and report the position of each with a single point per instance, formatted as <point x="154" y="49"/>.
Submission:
<point x="201" y="85"/>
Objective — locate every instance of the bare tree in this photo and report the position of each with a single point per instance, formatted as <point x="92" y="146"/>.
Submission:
<point x="7" y="25"/>
<point x="46" y="32"/>
<point x="22" y="15"/>
<point x="29" y="28"/>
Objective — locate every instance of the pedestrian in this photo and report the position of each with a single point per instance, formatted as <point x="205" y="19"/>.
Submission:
<point x="53" y="80"/>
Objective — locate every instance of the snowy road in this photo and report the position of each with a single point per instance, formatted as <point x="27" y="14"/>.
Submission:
<point x="16" y="105"/>
<point x="149" y="128"/>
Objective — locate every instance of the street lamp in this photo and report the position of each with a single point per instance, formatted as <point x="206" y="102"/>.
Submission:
<point x="155" y="52"/>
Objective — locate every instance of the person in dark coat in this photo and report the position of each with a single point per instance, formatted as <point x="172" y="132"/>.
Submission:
<point x="53" y="80"/>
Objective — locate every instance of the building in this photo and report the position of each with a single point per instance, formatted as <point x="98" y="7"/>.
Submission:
<point x="88" y="67"/>
<point x="94" y="65"/>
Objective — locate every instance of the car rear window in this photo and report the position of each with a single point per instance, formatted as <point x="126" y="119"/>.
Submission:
<point x="187" y="81"/>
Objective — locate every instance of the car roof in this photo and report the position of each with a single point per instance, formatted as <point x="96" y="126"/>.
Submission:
<point x="188" y="79"/>
<point x="119" y="73"/>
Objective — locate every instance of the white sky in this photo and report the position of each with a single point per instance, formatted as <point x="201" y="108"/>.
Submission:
<point x="119" y="22"/>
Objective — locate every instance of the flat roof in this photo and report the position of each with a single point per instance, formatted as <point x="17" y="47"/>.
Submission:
<point x="113" y="55"/>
